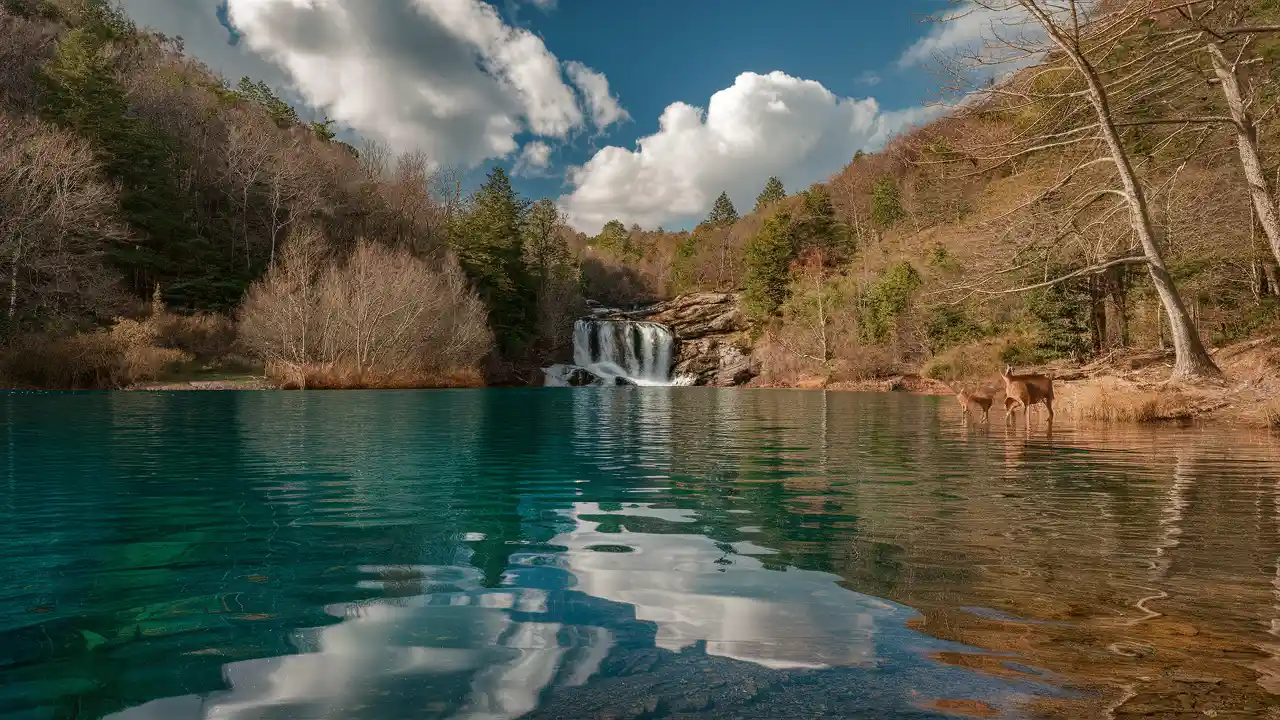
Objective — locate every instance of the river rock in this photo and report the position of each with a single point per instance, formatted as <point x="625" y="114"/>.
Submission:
<point x="569" y="376"/>
<point x="711" y="331"/>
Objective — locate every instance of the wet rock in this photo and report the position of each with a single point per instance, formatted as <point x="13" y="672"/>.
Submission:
<point x="711" y="331"/>
<point x="569" y="376"/>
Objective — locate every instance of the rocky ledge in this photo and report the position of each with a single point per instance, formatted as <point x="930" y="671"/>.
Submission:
<point x="711" y="330"/>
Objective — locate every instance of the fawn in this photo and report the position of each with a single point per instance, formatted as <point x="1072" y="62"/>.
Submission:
<point x="1025" y="391"/>
<point x="967" y="400"/>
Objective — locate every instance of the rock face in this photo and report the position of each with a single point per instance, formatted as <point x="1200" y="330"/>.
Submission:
<point x="711" y="330"/>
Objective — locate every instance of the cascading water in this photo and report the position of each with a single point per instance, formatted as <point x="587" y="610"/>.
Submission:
<point x="640" y="352"/>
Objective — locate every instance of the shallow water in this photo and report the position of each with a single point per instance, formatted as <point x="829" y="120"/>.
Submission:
<point x="624" y="553"/>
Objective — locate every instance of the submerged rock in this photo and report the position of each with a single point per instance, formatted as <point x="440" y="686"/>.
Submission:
<point x="561" y="375"/>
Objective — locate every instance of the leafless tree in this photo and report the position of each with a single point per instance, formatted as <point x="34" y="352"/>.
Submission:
<point x="378" y="315"/>
<point x="1070" y="103"/>
<point x="56" y="217"/>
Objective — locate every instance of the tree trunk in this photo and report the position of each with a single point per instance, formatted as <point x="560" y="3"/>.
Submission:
<point x="1264" y="204"/>
<point x="13" y="279"/>
<point x="1117" y="307"/>
<point x="1098" y="308"/>
<point x="1272" y="274"/>
<point x="1191" y="359"/>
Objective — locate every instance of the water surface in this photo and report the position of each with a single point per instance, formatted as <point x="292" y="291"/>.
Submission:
<point x="623" y="553"/>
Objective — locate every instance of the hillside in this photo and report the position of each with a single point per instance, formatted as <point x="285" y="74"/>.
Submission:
<point x="160" y="218"/>
<point x="172" y="221"/>
<point x="941" y="253"/>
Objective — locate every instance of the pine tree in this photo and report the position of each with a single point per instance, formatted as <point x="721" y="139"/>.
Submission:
<point x="614" y="238"/>
<point x="259" y="93"/>
<point x="768" y="259"/>
<point x="489" y="240"/>
<point x="80" y="92"/>
<point x="772" y="193"/>
<point x="817" y="227"/>
<point x="723" y="212"/>
<point x="886" y="203"/>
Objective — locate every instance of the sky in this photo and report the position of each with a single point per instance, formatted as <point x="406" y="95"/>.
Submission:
<point x="639" y="110"/>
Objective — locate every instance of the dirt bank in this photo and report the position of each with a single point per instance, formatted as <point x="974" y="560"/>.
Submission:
<point x="1130" y="387"/>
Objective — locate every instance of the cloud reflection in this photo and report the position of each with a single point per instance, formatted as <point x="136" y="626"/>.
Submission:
<point x="448" y="647"/>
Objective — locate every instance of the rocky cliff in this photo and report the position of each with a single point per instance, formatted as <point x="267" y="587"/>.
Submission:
<point x="711" y="329"/>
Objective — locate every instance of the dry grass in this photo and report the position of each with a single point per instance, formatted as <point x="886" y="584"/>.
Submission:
<point x="334" y="376"/>
<point x="123" y="355"/>
<point x="1271" y="416"/>
<point x="204" y="335"/>
<point x="1111" y="402"/>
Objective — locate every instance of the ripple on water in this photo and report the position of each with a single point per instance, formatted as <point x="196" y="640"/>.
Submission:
<point x="603" y="552"/>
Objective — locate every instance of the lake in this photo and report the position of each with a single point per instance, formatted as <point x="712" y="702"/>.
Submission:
<point x="624" y="553"/>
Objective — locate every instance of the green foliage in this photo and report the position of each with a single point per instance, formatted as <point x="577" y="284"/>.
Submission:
<point x="682" y="264"/>
<point x="260" y="94"/>
<point x="949" y="326"/>
<point x="773" y="192"/>
<point x="723" y="212"/>
<point x="489" y="241"/>
<point x="886" y="203"/>
<point x="615" y="239"/>
<point x="768" y="259"/>
<point x="939" y="257"/>
<point x="324" y="130"/>
<point x="80" y="91"/>
<point x="886" y="299"/>
<point x="817" y="227"/>
<point x="1060" y="314"/>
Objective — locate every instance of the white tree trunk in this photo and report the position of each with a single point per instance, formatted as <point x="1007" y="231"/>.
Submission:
<point x="1191" y="359"/>
<point x="1264" y="203"/>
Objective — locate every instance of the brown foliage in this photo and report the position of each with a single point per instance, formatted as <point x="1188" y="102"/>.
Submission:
<point x="207" y="336"/>
<point x="123" y="355"/>
<point x="378" y="316"/>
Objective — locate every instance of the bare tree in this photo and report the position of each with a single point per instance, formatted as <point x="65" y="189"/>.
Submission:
<point x="379" y="316"/>
<point x="56" y="217"/>
<point x="249" y="152"/>
<point x="1226" y="30"/>
<point x="1067" y="103"/>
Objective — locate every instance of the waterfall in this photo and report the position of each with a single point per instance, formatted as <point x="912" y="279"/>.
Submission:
<point x="639" y="351"/>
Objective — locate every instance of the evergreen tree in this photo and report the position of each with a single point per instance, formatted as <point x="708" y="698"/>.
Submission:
<point x="768" y="259"/>
<point x="886" y="203"/>
<point x="544" y="247"/>
<point x="80" y="92"/>
<point x="489" y="240"/>
<point x="772" y="193"/>
<point x="817" y="227"/>
<point x="614" y="238"/>
<point x="324" y="130"/>
<point x="723" y="212"/>
<point x="260" y="94"/>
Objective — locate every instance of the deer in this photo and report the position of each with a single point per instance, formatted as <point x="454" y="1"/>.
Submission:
<point x="1009" y="406"/>
<point x="967" y="400"/>
<point x="1025" y="391"/>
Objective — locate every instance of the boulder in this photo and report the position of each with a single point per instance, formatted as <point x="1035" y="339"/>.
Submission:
<point x="711" y="331"/>
<point x="569" y="376"/>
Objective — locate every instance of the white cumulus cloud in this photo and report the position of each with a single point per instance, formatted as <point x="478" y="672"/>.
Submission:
<point x="594" y="86"/>
<point x="449" y="77"/>
<point x="535" y="158"/>
<point x="762" y="125"/>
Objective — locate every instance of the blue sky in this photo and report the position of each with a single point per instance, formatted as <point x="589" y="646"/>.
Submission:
<point x="571" y="85"/>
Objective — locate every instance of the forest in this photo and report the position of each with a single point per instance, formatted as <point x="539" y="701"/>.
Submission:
<point x="1116" y="194"/>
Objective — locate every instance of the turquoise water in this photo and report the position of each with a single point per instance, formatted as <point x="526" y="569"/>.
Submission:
<point x="622" y="553"/>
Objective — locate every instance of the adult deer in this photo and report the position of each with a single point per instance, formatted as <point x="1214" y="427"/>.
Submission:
<point x="1025" y="391"/>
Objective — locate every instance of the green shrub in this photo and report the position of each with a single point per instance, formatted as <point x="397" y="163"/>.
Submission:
<point x="948" y="326"/>
<point x="885" y="299"/>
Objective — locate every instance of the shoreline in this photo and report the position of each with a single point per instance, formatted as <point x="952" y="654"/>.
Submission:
<point x="1121" y="388"/>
